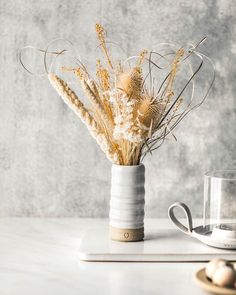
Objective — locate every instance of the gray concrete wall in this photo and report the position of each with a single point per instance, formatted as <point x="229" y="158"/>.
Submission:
<point x="49" y="165"/>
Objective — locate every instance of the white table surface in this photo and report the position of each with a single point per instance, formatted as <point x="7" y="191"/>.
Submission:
<point x="40" y="257"/>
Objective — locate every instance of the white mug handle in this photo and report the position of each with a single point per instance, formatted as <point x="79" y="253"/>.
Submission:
<point x="187" y="230"/>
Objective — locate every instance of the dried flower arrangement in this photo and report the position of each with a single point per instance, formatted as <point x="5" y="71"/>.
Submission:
<point x="128" y="115"/>
<point x="131" y="108"/>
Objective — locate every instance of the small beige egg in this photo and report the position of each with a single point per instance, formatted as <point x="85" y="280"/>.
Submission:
<point x="213" y="265"/>
<point x="224" y="276"/>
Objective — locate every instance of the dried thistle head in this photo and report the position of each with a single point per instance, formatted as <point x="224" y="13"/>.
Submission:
<point x="131" y="82"/>
<point x="149" y="111"/>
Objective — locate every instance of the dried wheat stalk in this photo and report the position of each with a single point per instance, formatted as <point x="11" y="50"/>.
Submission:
<point x="71" y="99"/>
<point x="91" y="92"/>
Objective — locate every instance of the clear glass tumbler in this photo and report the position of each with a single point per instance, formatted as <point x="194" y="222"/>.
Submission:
<point x="220" y="203"/>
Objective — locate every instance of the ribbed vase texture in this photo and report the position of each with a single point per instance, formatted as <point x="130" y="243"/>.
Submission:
<point x="127" y="203"/>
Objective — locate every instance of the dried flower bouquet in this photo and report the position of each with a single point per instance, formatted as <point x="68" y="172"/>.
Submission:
<point x="131" y="107"/>
<point x="128" y="115"/>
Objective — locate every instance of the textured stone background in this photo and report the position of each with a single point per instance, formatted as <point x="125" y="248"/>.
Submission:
<point x="49" y="165"/>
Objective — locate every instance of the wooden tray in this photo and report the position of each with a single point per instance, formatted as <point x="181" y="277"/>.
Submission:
<point x="203" y="282"/>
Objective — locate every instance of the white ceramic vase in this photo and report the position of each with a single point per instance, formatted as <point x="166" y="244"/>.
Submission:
<point x="127" y="203"/>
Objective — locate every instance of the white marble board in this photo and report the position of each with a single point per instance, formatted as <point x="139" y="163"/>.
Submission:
<point x="160" y="245"/>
